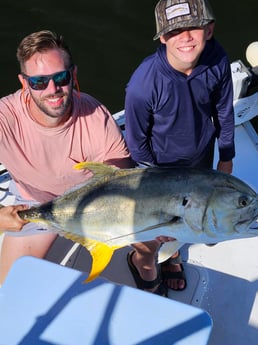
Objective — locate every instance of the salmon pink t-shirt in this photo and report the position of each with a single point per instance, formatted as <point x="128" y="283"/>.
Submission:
<point x="40" y="160"/>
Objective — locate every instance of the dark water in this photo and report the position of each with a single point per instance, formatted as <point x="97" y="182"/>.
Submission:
<point x="110" y="38"/>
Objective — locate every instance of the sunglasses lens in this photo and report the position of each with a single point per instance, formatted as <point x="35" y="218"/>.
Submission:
<point x="41" y="82"/>
<point x="38" y="83"/>
<point x="62" y="78"/>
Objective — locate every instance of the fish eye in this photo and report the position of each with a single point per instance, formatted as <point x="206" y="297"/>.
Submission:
<point x="243" y="201"/>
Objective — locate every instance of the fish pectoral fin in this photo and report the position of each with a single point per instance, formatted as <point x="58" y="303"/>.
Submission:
<point x="168" y="249"/>
<point x="101" y="254"/>
<point x="98" y="169"/>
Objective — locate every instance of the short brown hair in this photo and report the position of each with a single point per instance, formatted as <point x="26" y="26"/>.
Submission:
<point x="42" y="41"/>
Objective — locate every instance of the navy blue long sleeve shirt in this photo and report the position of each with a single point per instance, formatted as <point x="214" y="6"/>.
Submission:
<point x="172" y="117"/>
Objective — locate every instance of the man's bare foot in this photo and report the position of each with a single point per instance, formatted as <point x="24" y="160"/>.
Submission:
<point x="173" y="273"/>
<point x="146" y="273"/>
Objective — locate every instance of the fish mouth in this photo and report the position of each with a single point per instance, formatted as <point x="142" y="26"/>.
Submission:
<point x="251" y="228"/>
<point x="254" y="225"/>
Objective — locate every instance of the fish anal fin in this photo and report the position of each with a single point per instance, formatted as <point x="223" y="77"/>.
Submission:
<point x="38" y="220"/>
<point x="100" y="252"/>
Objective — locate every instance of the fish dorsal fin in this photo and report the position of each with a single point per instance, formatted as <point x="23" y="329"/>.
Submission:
<point x="98" y="169"/>
<point x="100" y="252"/>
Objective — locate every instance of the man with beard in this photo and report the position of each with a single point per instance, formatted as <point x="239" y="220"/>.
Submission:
<point x="45" y="128"/>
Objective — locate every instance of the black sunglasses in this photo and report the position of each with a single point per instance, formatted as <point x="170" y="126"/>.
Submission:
<point x="40" y="82"/>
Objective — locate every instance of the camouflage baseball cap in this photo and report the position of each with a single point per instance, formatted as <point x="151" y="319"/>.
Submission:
<point x="176" y="14"/>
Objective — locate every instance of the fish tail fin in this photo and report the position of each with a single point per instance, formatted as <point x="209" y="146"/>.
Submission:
<point x="101" y="254"/>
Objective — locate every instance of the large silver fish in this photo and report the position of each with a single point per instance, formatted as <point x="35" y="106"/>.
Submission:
<point x="120" y="207"/>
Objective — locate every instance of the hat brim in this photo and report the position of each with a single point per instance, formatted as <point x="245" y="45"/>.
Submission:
<point x="182" y="24"/>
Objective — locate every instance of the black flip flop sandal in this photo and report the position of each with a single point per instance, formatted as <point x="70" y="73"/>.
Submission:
<point x="166" y="275"/>
<point x="145" y="285"/>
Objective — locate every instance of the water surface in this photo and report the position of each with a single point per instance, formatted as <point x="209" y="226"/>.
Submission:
<point x="110" y="38"/>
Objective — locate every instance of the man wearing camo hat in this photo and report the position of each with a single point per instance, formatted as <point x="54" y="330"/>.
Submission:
<point x="178" y="102"/>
